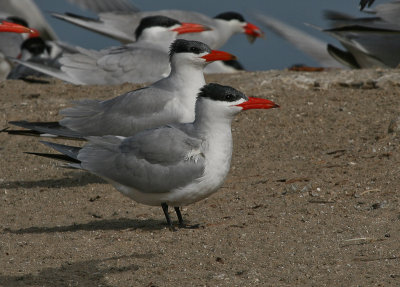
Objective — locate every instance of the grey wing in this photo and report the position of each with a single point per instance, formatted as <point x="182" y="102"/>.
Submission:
<point x="153" y="161"/>
<point x="108" y="27"/>
<point x="306" y="43"/>
<point x="135" y="64"/>
<point x="83" y="68"/>
<point x="116" y="65"/>
<point x="371" y="49"/>
<point x="389" y="12"/>
<point x="99" y="6"/>
<point x="124" y="115"/>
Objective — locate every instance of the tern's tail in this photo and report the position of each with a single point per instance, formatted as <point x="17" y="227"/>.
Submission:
<point x="43" y="129"/>
<point x="68" y="154"/>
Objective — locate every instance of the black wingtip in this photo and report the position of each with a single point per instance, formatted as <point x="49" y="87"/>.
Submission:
<point x="60" y="157"/>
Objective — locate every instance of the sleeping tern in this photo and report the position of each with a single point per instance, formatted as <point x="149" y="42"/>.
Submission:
<point x="172" y="165"/>
<point x="170" y="100"/>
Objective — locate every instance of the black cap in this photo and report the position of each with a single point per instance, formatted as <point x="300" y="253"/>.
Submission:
<point x="218" y="92"/>
<point x="185" y="46"/>
<point x="230" y="16"/>
<point x="155" y="21"/>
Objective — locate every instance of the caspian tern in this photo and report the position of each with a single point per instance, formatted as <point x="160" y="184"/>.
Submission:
<point x="121" y="26"/>
<point x="143" y="61"/>
<point x="170" y="100"/>
<point x="172" y="165"/>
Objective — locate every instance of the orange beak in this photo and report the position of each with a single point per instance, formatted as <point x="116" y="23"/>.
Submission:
<point x="191" y="28"/>
<point x="257" y="103"/>
<point x="218" y="56"/>
<point x="34" y="33"/>
<point x="6" y="26"/>
<point x="252" y="32"/>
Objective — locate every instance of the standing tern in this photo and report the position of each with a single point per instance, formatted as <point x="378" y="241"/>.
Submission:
<point x="172" y="165"/>
<point x="121" y="26"/>
<point x="143" y="61"/>
<point x="170" y="100"/>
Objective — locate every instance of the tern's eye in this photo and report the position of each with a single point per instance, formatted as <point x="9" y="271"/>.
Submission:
<point x="195" y="50"/>
<point x="229" y="97"/>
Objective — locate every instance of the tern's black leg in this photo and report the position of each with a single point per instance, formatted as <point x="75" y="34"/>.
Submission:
<point x="165" y="209"/>
<point x="178" y="213"/>
<point x="181" y="223"/>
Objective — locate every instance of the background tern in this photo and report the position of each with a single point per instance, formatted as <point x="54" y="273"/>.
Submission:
<point x="121" y="26"/>
<point x="170" y="100"/>
<point x="143" y="61"/>
<point x="172" y="165"/>
<point x="369" y="42"/>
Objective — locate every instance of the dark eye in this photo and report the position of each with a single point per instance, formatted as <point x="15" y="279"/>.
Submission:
<point x="229" y="97"/>
<point x="195" y="50"/>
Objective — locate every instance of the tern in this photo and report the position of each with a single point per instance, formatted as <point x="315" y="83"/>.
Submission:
<point x="121" y="26"/>
<point x="172" y="165"/>
<point x="170" y="100"/>
<point x="143" y="61"/>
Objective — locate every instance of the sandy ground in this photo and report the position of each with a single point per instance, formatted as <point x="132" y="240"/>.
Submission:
<point x="312" y="198"/>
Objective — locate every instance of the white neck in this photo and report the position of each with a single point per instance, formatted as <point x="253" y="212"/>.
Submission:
<point x="163" y="39"/>
<point x="212" y="121"/>
<point x="225" y="32"/>
<point x="185" y="81"/>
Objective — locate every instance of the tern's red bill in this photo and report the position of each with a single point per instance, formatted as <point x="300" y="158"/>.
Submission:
<point x="191" y="28"/>
<point x="257" y="103"/>
<point x="215" y="55"/>
<point x="6" y="26"/>
<point x="253" y="30"/>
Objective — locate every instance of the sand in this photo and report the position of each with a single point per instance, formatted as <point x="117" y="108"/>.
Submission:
<point x="312" y="197"/>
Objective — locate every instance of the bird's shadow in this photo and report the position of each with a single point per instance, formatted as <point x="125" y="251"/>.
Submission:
<point x="72" y="179"/>
<point x="105" y="224"/>
<point x="83" y="273"/>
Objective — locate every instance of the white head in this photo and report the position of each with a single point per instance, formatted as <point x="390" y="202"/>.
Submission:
<point x="237" y="24"/>
<point x="223" y="102"/>
<point x="161" y="28"/>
